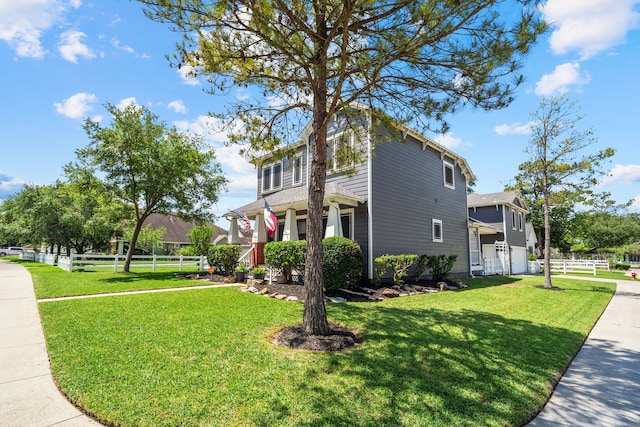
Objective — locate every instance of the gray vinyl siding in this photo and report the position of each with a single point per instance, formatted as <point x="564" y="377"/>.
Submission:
<point x="287" y="172"/>
<point x="408" y="193"/>
<point x="487" y="214"/>
<point x="494" y="215"/>
<point x="515" y="237"/>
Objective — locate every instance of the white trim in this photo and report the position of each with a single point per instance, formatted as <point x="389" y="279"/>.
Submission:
<point x="369" y="200"/>
<point x="272" y="187"/>
<point x="434" y="223"/>
<point x="446" y="164"/>
<point x="331" y="149"/>
<point x="298" y="158"/>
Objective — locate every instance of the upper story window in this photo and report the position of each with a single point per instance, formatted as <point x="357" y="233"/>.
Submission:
<point x="448" y="170"/>
<point x="272" y="177"/>
<point x="340" y="151"/>
<point x="513" y="219"/>
<point x="297" y="170"/>
<point x="520" y="221"/>
<point x="436" y="230"/>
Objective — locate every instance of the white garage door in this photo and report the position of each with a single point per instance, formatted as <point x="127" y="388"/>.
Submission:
<point x="518" y="260"/>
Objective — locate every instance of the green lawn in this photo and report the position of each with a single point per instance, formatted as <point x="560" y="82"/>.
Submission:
<point x="601" y="274"/>
<point x="481" y="356"/>
<point x="53" y="282"/>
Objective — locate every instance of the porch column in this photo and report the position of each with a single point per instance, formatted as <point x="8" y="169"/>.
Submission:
<point x="258" y="241"/>
<point x="233" y="237"/>
<point x="290" y="226"/>
<point x="334" y="225"/>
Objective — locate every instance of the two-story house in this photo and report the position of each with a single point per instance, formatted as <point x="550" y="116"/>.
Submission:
<point x="497" y="233"/>
<point x="406" y="194"/>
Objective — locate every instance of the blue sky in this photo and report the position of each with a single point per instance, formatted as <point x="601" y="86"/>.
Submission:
<point x="61" y="60"/>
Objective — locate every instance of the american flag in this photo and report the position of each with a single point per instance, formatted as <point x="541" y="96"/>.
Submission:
<point x="244" y="220"/>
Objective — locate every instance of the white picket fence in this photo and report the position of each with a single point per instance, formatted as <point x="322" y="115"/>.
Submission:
<point x="578" y="265"/>
<point x="94" y="262"/>
<point x="39" y="257"/>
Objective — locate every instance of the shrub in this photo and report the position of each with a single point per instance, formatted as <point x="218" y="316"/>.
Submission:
<point x="286" y="256"/>
<point x="224" y="258"/>
<point x="399" y="264"/>
<point x="622" y="266"/>
<point x="341" y="262"/>
<point x="440" y="265"/>
<point x="188" y="250"/>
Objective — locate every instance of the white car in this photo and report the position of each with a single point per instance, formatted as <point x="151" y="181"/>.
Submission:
<point x="11" y="250"/>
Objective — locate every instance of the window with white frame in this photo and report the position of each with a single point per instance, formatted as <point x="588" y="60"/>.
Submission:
<point x="340" y="151"/>
<point x="436" y="230"/>
<point x="297" y="170"/>
<point x="448" y="170"/>
<point x="272" y="177"/>
<point x="513" y="219"/>
<point x="520" y="221"/>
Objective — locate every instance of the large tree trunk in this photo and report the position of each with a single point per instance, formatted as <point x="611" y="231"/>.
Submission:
<point x="315" y="315"/>
<point x="132" y="244"/>
<point x="547" y="242"/>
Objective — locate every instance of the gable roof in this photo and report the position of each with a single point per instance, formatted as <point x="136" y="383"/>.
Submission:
<point x="509" y="198"/>
<point x="297" y="197"/>
<point x="406" y="130"/>
<point x="178" y="229"/>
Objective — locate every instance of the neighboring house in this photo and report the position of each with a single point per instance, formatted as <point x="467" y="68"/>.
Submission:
<point x="177" y="231"/>
<point x="497" y="233"/>
<point x="408" y="195"/>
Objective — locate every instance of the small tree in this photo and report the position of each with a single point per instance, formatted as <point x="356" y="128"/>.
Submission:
<point x="398" y="264"/>
<point x="150" y="167"/>
<point x="200" y="238"/>
<point x="556" y="168"/>
<point x="149" y="238"/>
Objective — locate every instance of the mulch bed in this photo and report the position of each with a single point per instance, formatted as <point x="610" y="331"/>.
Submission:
<point x="358" y="293"/>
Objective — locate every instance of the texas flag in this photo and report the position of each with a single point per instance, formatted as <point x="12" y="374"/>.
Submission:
<point x="270" y="220"/>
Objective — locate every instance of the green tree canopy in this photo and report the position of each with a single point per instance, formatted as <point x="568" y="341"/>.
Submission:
<point x="415" y="61"/>
<point x="150" y="167"/>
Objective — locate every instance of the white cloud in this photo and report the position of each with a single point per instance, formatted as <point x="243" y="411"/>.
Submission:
<point x="622" y="174"/>
<point x="589" y="26"/>
<point x="76" y="106"/>
<point x="208" y="127"/>
<point x="9" y="185"/>
<point x="178" y="106"/>
<point x="448" y="140"/>
<point x="239" y="171"/>
<point x="561" y="79"/>
<point x="185" y="74"/>
<point x="126" y="48"/>
<point x="23" y="22"/>
<point x="513" y="129"/>
<point x="635" y="205"/>
<point x="125" y="102"/>
<point x="70" y="46"/>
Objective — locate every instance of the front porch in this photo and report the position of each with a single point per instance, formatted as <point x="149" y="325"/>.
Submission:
<point x="290" y="209"/>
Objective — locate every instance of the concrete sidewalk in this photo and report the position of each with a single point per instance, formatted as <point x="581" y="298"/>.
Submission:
<point x="28" y="395"/>
<point x="602" y="385"/>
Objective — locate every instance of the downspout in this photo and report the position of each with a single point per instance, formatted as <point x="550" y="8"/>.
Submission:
<point x="369" y="200"/>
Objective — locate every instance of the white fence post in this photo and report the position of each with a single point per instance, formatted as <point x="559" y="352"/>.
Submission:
<point x="115" y="264"/>
<point x="154" y="263"/>
<point x="181" y="262"/>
